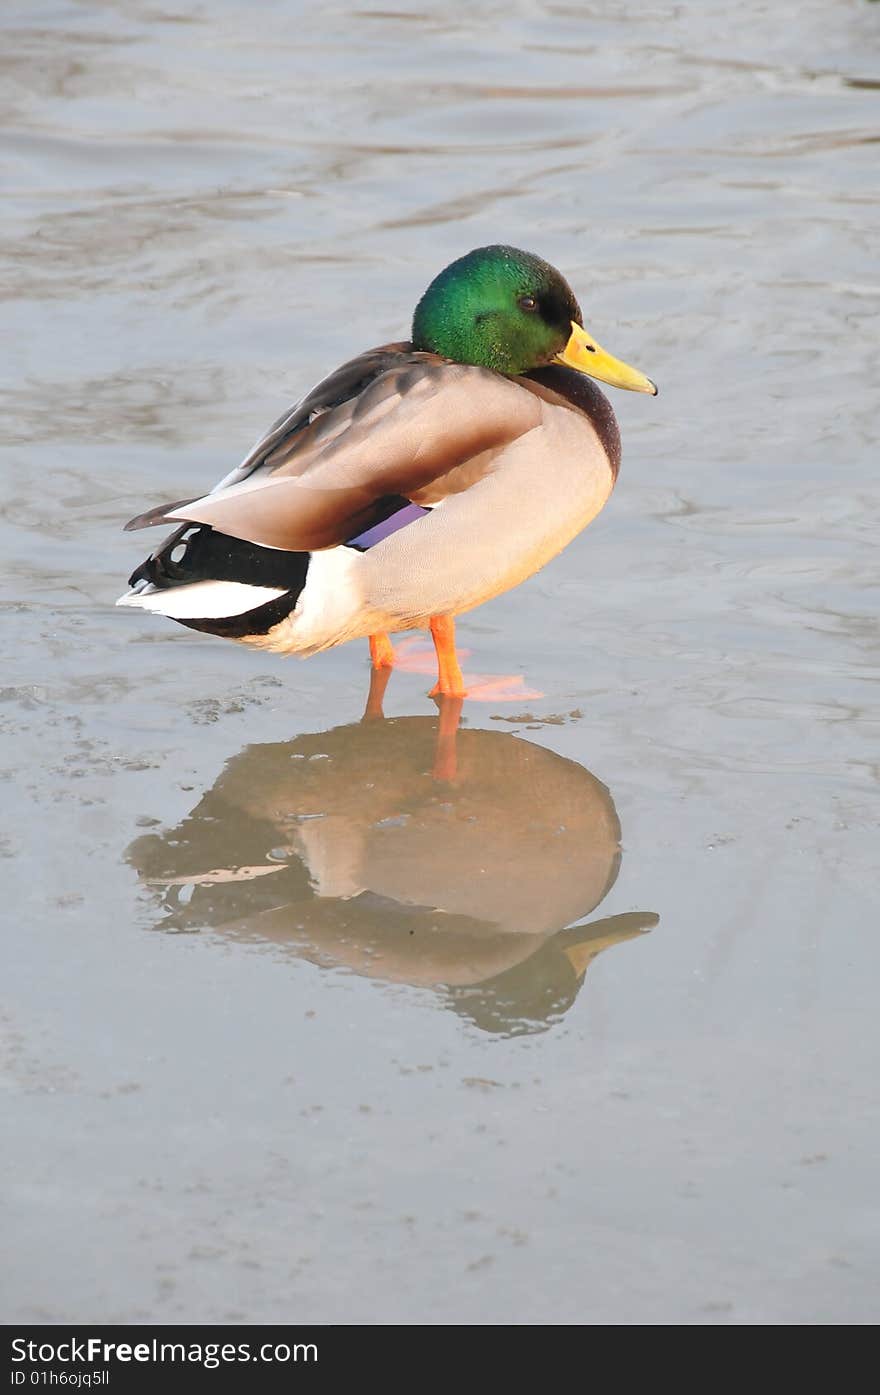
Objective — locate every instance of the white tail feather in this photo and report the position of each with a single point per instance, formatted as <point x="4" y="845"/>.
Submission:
<point x="201" y="600"/>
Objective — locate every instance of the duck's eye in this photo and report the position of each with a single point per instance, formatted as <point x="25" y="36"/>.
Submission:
<point x="527" y="302"/>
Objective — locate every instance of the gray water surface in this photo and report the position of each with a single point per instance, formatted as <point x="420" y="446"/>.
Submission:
<point x="293" y="1030"/>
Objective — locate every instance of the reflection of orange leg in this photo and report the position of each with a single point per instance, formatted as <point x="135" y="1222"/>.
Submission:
<point x="445" y="762"/>
<point x="378" y="683"/>
<point x="449" y="681"/>
<point x="381" y="651"/>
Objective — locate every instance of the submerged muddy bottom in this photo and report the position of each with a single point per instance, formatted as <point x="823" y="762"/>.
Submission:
<point x="310" y="1018"/>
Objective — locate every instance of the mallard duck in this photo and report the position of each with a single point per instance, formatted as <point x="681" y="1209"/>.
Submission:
<point x="414" y="483"/>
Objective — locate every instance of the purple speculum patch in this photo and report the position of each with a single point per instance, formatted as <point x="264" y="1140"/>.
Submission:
<point x="410" y="513"/>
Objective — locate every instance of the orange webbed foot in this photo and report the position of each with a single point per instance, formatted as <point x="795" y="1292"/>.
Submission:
<point x="412" y="655"/>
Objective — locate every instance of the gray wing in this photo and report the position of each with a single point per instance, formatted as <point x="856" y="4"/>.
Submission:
<point x="404" y="424"/>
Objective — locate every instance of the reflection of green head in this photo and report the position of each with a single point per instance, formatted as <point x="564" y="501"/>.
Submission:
<point x="533" y="994"/>
<point x="528" y="997"/>
<point x="498" y="308"/>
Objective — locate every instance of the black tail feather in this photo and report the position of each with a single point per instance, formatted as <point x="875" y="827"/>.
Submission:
<point x="195" y="552"/>
<point x="252" y="622"/>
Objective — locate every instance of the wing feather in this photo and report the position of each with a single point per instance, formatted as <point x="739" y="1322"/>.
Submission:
<point x="417" y="422"/>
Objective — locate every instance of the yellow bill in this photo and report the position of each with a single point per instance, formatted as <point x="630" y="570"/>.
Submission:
<point x="583" y="353"/>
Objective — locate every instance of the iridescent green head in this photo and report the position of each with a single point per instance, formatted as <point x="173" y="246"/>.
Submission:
<point x="499" y="308"/>
<point x="504" y="309"/>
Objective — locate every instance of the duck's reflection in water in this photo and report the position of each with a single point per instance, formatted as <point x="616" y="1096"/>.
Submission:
<point x="345" y="848"/>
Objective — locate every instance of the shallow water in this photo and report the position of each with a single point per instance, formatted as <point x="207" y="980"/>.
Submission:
<point x="292" y="1030"/>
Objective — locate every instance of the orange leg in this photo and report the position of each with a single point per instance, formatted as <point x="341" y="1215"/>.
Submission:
<point x="381" y="651"/>
<point x="378" y="683"/>
<point x="445" y="752"/>
<point x="449" y="679"/>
